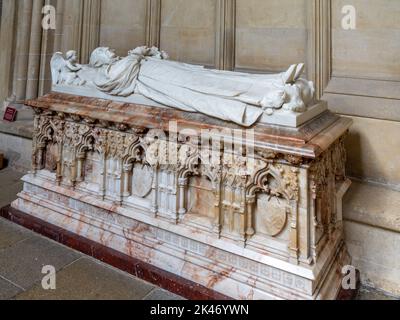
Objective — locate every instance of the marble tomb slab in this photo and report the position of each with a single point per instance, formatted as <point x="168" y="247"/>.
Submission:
<point x="272" y="232"/>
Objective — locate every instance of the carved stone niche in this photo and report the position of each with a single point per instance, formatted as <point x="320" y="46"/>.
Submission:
<point x="261" y="213"/>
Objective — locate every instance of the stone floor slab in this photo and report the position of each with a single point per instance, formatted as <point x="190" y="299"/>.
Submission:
<point x="10" y="194"/>
<point x="24" y="253"/>
<point x="8" y="290"/>
<point x="372" y="294"/>
<point x="11" y="184"/>
<point x="159" y="294"/>
<point x="9" y="176"/>
<point x="87" y="279"/>
<point x="22" y="263"/>
<point x="11" y="233"/>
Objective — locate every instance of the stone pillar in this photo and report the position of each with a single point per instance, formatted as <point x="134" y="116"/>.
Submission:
<point x="225" y="38"/>
<point x="182" y="185"/>
<point x="79" y="166"/>
<point x="81" y="27"/>
<point x="126" y="177"/>
<point x="90" y="28"/>
<point x="7" y="32"/>
<point x="51" y="42"/>
<point x="34" y="51"/>
<point x="72" y="23"/>
<point x="27" y="48"/>
<point x="153" y="23"/>
<point x="251" y="201"/>
<point x="154" y="188"/>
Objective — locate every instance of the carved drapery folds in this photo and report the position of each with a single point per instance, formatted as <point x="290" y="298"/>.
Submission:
<point x="135" y="162"/>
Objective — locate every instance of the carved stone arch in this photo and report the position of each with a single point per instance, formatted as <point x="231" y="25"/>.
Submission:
<point x="213" y="175"/>
<point x="187" y="167"/>
<point x="136" y="152"/>
<point x="86" y="143"/>
<point x="189" y="161"/>
<point x="185" y="174"/>
<point x="80" y="138"/>
<point x="287" y="187"/>
<point x="195" y="166"/>
<point x="58" y="125"/>
<point x="261" y="183"/>
<point x="44" y="136"/>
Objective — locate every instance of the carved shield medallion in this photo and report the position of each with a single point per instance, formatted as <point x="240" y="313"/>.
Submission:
<point x="142" y="180"/>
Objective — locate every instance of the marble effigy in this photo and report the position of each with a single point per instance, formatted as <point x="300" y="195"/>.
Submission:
<point x="146" y="75"/>
<point x="252" y="213"/>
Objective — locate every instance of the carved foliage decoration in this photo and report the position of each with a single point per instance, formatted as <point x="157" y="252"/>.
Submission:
<point x="275" y="180"/>
<point x="325" y="172"/>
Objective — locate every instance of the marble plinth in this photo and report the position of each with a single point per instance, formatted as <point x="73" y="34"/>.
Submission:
<point x="259" y="223"/>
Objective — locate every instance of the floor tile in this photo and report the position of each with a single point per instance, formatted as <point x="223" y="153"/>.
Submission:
<point x="159" y="294"/>
<point x="11" y="233"/>
<point x="8" y="290"/>
<point x="10" y="186"/>
<point x="22" y="263"/>
<point x="87" y="279"/>
<point x="371" y="294"/>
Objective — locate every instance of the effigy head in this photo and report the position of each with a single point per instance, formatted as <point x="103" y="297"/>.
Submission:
<point x="71" y="56"/>
<point x="102" y="56"/>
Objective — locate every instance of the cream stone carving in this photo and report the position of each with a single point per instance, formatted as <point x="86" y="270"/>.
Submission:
<point x="232" y="96"/>
<point x="65" y="70"/>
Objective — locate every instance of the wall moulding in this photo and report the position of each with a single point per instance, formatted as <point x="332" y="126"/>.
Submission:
<point x="362" y="97"/>
<point x="225" y="35"/>
<point x="91" y="13"/>
<point x="364" y="107"/>
<point x="153" y="23"/>
<point x="319" y="44"/>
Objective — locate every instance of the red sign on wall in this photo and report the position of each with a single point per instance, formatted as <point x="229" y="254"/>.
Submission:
<point x="10" y="114"/>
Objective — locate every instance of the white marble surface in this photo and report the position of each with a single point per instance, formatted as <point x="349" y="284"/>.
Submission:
<point x="279" y="117"/>
<point x="241" y="98"/>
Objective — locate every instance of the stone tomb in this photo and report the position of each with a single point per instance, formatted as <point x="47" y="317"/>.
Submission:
<point x="249" y="220"/>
